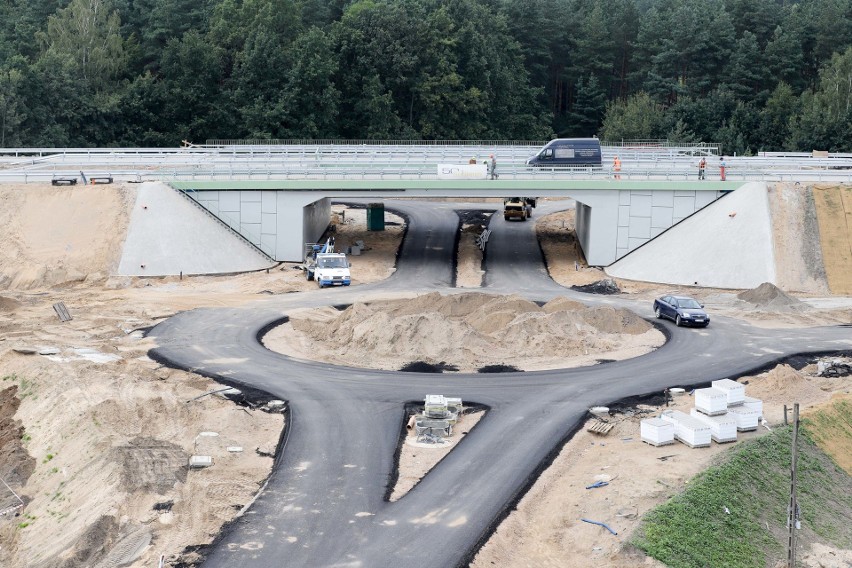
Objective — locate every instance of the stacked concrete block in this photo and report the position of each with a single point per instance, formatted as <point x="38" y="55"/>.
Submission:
<point x="754" y="404"/>
<point x="688" y="430"/>
<point x="720" y="412"/>
<point x="711" y="401"/>
<point x="734" y="390"/>
<point x="723" y="427"/>
<point x="747" y="418"/>
<point x="656" y="431"/>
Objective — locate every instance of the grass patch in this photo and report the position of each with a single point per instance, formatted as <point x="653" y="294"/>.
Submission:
<point x="26" y="387"/>
<point x="831" y="429"/>
<point x="752" y="480"/>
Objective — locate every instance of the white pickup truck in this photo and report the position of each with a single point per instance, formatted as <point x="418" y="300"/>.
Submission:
<point x="329" y="269"/>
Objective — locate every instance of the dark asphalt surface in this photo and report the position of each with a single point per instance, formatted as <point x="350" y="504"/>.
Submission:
<point x="324" y="504"/>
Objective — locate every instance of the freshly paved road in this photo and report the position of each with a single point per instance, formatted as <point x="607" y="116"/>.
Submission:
<point x="325" y="504"/>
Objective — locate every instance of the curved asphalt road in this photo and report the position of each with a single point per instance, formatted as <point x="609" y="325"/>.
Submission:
<point x="325" y="505"/>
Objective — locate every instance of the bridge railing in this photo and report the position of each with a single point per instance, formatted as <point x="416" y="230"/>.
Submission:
<point x="386" y="160"/>
<point x="351" y="174"/>
<point x="257" y="142"/>
<point x="232" y="172"/>
<point x="376" y="153"/>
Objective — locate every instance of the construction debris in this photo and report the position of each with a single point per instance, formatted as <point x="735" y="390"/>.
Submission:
<point x="600" y="427"/>
<point x="62" y="311"/>
<point x="439" y="415"/>
<point x="834" y="368"/>
<point x="200" y="462"/>
<point x="606" y="286"/>
<point x="604" y="525"/>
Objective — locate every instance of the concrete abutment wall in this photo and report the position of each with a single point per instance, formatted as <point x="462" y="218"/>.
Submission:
<point x="613" y="217"/>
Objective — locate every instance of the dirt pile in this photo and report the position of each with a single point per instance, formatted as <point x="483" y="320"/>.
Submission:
<point x="767" y="296"/>
<point x="784" y="383"/>
<point x="466" y="331"/>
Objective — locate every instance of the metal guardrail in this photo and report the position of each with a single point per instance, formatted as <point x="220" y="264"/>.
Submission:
<point x="429" y="173"/>
<point x="383" y="160"/>
<point x="363" y="142"/>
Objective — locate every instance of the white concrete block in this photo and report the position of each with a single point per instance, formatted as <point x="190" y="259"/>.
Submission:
<point x="723" y="428"/>
<point x="747" y="418"/>
<point x="754" y="404"/>
<point x="688" y="430"/>
<point x="734" y="390"/>
<point x="711" y="401"/>
<point x="657" y="431"/>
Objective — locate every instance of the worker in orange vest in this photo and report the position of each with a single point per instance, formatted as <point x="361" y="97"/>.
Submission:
<point x="616" y="167"/>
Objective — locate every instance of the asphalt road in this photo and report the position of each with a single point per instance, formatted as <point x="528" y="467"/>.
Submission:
<point x="325" y="502"/>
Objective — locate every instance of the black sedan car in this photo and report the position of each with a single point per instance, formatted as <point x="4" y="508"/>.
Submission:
<point x="682" y="310"/>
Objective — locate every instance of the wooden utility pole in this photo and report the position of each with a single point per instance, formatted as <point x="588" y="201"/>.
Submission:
<point x="793" y="509"/>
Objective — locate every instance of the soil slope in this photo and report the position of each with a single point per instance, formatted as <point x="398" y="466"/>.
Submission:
<point x="834" y="211"/>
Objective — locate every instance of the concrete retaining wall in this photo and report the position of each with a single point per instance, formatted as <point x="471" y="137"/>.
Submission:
<point x="169" y="235"/>
<point x="644" y="214"/>
<point x="729" y="244"/>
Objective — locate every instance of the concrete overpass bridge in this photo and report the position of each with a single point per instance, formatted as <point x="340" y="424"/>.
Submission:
<point x="277" y="197"/>
<point x="613" y="216"/>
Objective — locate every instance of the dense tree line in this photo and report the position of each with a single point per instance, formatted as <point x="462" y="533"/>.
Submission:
<point x="749" y="74"/>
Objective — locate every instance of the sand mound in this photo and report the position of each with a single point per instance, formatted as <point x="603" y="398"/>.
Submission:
<point x="766" y="293"/>
<point x="562" y="304"/>
<point x="769" y="296"/>
<point x="469" y="331"/>
<point x="783" y="377"/>
<point x="613" y="320"/>
<point x="786" y="384"/>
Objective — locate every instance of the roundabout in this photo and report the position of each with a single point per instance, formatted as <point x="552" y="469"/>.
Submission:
<point x="325" y="503"/>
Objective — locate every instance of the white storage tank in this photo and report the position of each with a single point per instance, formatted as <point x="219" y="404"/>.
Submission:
<point x="754" y="404"/>
<point x="711" y="401"/>
<point x="734" y="390"/>
<point x="656" y="431"/>
<point x="688" y="430"/>
<point x="723" y="427"/>
<point x="747" y="418"/>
